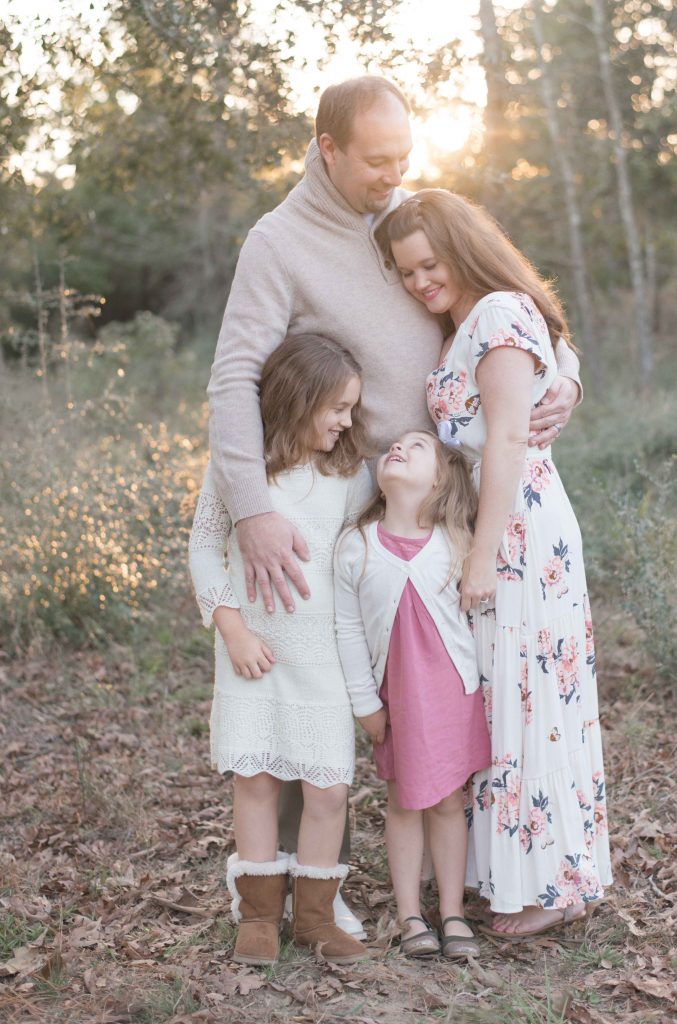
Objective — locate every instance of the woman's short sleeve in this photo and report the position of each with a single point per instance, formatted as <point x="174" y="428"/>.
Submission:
<point x="510" y="321"/>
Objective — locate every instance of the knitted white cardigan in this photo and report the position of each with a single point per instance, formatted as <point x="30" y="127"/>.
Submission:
<point x="368" y="585"/>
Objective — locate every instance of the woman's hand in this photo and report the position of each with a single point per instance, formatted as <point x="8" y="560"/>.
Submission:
<point x="478" y="582"/>
<point x="375" y="725"/>
<point x="249" y="655"/>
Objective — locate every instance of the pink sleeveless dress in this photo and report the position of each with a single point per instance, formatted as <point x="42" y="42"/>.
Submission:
<point x="437" y="733"/>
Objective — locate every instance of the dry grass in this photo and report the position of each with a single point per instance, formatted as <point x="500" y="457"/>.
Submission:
<point x="115" y="834"/>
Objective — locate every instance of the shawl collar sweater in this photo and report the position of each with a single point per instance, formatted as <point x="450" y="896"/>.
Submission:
<point x="368" y="584"/>
<point x="312" y="266"/>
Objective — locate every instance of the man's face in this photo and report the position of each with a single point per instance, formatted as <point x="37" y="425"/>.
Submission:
<point x="375" y="159"/>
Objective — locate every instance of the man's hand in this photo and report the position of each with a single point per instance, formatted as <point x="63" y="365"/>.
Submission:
<point x="249" y="655"/>
<point x="375" y="725"/>
<point x="268" y="544"/>
<point x="555" y="408"/>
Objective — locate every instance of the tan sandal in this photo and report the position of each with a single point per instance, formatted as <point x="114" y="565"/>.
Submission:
<point x="422" y="944"/>
<point x="569" y="915"/>
<point x="454" y="946"/>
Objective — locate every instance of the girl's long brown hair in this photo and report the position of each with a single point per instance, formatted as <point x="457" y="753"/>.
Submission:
<point x="479" y="254"/>
<point x="452" y="504"/>
<point x="301" y="377"/>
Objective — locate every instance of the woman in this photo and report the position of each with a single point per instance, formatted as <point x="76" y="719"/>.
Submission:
<point x="538" y="843"/>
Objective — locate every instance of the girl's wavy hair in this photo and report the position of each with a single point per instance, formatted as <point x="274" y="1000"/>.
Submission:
<point x="451" y="505"/>
<point x="479" y="254"/>
<point x="304" y="374"/>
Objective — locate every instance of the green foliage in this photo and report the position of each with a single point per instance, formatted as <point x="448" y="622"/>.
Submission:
<point x="15" y="932"/>
<point x="95" y="521"/>
<point x="618" y="471"/>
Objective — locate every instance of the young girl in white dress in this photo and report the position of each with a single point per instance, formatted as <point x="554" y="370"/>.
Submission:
<point x="281" y="709"/>
<point x="409" y="659"/>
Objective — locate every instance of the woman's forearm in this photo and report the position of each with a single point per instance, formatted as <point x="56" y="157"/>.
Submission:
<point x="502" y="464"/>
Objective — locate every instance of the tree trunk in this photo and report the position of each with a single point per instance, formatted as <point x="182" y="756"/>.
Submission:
<point x="494" y="193"/>
<point x="625" y="202"/>
<point x="41" y="316"/>
<point x="564" y="165"/>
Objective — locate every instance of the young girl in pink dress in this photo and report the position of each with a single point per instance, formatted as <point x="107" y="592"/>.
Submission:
<point x="411" y="671"/>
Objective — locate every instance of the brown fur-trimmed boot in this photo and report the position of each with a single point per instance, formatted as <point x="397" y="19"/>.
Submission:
<point x="258" y="893"/>
<point x="313" y="892"/>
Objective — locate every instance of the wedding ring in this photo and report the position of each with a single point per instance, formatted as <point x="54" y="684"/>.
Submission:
<point x="484" y="600"/>
<point x="557" y="427"/>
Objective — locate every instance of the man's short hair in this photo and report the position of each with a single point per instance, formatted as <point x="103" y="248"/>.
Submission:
<point x="340" y="103"/>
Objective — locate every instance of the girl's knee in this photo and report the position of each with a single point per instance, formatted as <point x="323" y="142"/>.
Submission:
<point x="452" y="804"/>
<point x="332" y="800"/>
<point x="261" y="787"/>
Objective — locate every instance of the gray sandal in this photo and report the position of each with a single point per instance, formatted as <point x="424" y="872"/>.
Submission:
<point x="459" y="945"/>
<point x="423" y="944"/>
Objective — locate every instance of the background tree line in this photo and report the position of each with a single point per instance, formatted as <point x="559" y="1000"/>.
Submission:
<point x="175" y="127"/>
<point x="182" y="131"/>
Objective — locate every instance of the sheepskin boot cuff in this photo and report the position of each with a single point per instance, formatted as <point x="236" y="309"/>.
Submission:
<point x="258" y="893"/>
<point x="313" y="892"/>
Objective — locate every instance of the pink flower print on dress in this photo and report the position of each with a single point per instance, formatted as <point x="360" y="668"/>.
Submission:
<point x="488" y="699"/>
<point x="448" y="399"/>
<point x="575" y="882"/>
<point x="506" y="790"/>
<point x="588" y="826"/>
<point x="545" y="656"/>
<point x="555" y="570"/>
<point x="515" y="546"/>
<point x="535" y="480"/>
<point x="536" y="825"/>
<point x="589" y="637"/>
<point x="526" y="693"/>
<point x="553" y="574"/>
<point x="601" y="823"/>
<point x="517" y="538"/>
<point x="566" y="665"/>
<point x="503" y="339"/>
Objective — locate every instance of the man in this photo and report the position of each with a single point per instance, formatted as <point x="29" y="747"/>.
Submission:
<point x="312" y="265"/>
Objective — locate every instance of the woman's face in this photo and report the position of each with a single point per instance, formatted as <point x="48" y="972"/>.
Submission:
<point x="425" y="276"/>
<point x="331" y="420"/>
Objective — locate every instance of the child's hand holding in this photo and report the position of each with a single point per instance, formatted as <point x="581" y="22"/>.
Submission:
<point x="375" y="725"/>
<point x="249" y="655"/>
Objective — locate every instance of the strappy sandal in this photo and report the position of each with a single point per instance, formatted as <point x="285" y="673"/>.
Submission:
<point x="454" y="946"/>
<point x="421" y="945"/>
<point x="567" y="917"/>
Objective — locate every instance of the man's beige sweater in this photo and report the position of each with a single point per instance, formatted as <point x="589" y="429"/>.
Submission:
<point x="312" y="266"/>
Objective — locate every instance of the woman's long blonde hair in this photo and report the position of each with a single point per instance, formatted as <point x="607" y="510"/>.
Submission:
<point x="479" y="254"/>
<point x="452" y="504"/>
<point x="302" y="376"/>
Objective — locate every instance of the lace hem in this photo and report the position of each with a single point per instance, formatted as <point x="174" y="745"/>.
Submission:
<point x="283" y="768"/>
<point x="213" y="598"/>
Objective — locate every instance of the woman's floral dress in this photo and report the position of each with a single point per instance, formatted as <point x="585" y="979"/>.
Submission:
<point x="537" y="816"/>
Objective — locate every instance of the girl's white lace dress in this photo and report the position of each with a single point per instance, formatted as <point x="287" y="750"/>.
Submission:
<point x="296" y="722"/>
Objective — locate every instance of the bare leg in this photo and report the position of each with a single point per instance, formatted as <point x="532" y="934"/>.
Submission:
<point x="404" y="841"/>
<point x="449" y="848"/>
<point x="255" y="816"/>
<point x="289" y="820"/>
<point x="322" y="825"/>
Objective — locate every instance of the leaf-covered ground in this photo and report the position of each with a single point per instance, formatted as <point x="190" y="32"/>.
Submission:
<point x="114" y="834"/>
